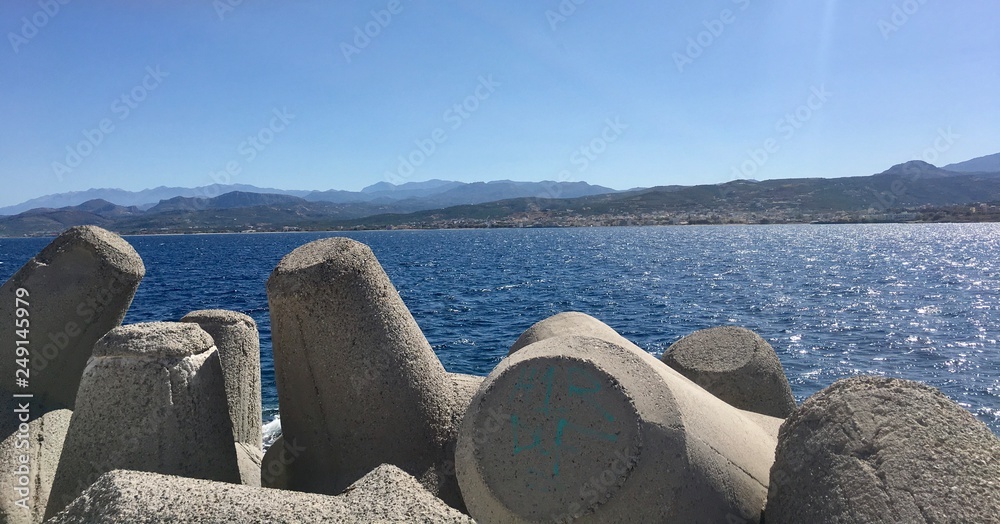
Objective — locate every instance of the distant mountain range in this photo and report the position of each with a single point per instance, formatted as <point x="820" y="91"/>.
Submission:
<point x="193" y="209"/>
<point x="433" y="193"/>
<point x="983" y="164"/>
<point x="908" y="186"/>
<point x="142" y="199"/>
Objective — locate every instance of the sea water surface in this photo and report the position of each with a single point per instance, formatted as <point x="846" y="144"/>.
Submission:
<point x="920" y="302"/>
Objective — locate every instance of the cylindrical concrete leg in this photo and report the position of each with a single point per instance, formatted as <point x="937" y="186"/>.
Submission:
<point x="736" y="365"/>
<point x="30" y="445"/>
<point x="238" y="342"/>
<point x="567" y="324"/>
<point x="75" y="290"/>
<point x="358" y="384"/>
<point x="581" y="428"/>
<point x="151" y="399"/>
<point x="878" y="449"/>
<point x="574" y="323"/>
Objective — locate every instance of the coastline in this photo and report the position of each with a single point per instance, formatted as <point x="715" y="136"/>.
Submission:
<point x="461" y="227"/>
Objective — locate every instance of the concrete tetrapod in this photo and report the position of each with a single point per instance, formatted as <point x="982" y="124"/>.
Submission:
<point x="574" y="323"/>
<point x="567" y="324"/>
<point x="78" y="288"/>
<point x="874" y="449"/>
<point x="29" y="455"/>
<point x="151" y="399"/>
<point x="238" y="342"/>
<point x="736" y="365"/>
<point x="358" y="384"/>
<point x="280" y="456"/>
<point x="53" y="310"/>
<point x="387" y="494"/>
<point x="580" y="428"/>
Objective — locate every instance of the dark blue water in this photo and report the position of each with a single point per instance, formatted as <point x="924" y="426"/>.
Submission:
<point x="920" y="302"/>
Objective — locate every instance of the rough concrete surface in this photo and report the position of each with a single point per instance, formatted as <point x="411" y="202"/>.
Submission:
<point x="574" y="323"/>
<point x="358" y="384"/>
<point x="583" y="428"/>
<point x="276" y="463"/>
<point x="568" y="324"/>
<point x="736" y="365"/>
<point x="238" y="342"/>
<point x="80" y="286"/>
<point x="248" y="459"/>
<point x="29" y="456"/>
<point x="387" y="494"/>
<point x="873" y="449"/>
<point x="151" y="399"/>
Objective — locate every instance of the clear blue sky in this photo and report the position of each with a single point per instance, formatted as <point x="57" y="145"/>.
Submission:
<point x="199" y="80"/>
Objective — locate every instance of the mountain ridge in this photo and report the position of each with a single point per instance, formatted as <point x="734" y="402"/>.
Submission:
<point x="380" y="193"/>
<point x="983" y="164"/>
<point x="897" y="193"/>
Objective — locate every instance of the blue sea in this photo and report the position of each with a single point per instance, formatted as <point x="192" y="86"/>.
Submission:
<point x="920" y="302"/>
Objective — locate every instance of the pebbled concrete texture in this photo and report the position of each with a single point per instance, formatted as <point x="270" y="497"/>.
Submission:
<point x="80" y="287"/>
<point x="575" y="323"/>
<point x="386" y="494"/>
<point x="568" y="323"/>
<point x="874" y="449"/>
<point x="583" y="429"/>
<point x="238" y="342"/>
<point x="358" y="384"/>
<point x="248" y="460"/>
<point x="736" y="365"/>
<point x="276" y="463"/>
<point x="151" y="399"/>
<point x="29" y="456"/>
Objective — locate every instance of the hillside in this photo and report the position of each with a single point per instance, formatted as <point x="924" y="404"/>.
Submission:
<point x="913" y="191"/>
<point x="983" y="164"/>
<point x="410" y="196"/>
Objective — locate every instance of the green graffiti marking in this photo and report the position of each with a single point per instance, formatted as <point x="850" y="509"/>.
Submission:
<point x="549" y="439"/>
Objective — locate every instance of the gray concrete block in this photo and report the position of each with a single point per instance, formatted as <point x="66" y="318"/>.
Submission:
<point x="358" y="384"/>
<point x="238" y="342"/>
<point x="32" y="442"/>
<point x="568" y="324"/>
<point x="386" y="494"/>
<point x="574" y="323"/>
<point x="582" y="428"/>
<point x="874" y="449"/>
<point x="151" y="399"/>
<point x="736" y="365"/>
<point x="276" y="464"/>
<point x="80" y="286"/>
<point x="248" y="459"/>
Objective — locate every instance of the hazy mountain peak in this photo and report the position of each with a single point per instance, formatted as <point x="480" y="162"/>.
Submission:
<point x="983" y="164"/>
<point x="426" y="184"/>
<point x="916" y="167"/>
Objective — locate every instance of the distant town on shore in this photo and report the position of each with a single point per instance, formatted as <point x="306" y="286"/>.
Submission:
<point x="912" y="192"/>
